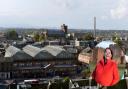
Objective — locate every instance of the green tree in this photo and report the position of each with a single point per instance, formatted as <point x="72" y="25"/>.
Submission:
<point x="12" y="34"/>
<point x="116" y="39"/>
<point x="88" y="36"/>
<point x="41" y="37"/>
<point x="36" y="36"/>
<point x="66" y="83"/>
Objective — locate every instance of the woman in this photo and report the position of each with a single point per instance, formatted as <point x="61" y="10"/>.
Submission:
<point x="106" y="71"/>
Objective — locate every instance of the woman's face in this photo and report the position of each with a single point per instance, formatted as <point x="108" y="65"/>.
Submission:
<point x="108" y="54"/>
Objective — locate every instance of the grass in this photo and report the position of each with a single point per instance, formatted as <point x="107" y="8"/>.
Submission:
<point x="121" y="68"/>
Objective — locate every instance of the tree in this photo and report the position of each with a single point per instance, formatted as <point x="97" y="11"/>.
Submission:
<point x="88" y="36"/>
<point x="12" y="35"/>
<point x="41" y="37"/>
<point x="66" y="83"/>
<point x="36" y="36"/>
<point x="116" y="39"/>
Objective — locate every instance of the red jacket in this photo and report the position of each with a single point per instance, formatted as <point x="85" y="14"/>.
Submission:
<point x="106" y="75"/>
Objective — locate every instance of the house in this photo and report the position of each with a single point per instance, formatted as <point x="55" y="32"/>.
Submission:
<point x="85" y="55"/>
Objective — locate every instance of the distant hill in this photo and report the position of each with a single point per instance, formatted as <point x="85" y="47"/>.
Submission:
<point x="98" y="31"/>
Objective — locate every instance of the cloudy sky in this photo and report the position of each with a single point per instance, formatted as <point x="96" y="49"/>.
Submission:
<point x="110" y="14"/>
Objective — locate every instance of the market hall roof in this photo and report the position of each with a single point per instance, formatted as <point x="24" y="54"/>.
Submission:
<point x="32" y="52"/>
<point x="58" y="51"/>
<point x="37" y="53"/>
<point x="16" y="54"/>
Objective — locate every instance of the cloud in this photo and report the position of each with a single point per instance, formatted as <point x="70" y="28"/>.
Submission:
<point x="104" y="17"/>
<point x="121" y="10"/>
<point x="68" y="4"/>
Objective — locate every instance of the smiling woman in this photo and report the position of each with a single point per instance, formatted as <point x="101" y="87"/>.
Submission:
<point x="106" y="71"/>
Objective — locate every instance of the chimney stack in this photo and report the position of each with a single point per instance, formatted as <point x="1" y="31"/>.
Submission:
<point x="94" y="27"/>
